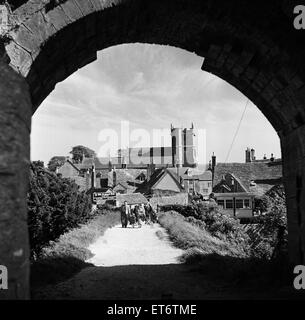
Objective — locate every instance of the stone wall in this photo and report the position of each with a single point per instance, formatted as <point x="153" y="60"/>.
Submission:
<point x="250" y="44"/>
<point x="15" y="124"/>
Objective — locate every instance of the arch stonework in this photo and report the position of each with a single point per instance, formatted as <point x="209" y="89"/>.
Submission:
<point x="251" y="45"/>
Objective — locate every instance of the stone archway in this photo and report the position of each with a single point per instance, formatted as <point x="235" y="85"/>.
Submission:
<point x="253" y="46"/>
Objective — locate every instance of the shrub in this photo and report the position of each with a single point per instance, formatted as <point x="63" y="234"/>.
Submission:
<point x="189" y="233"/>
<point x="55" y="205"/>
<point x="207" y="215"/>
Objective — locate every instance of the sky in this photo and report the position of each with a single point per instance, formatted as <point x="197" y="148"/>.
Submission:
<point x="149" y="87"/>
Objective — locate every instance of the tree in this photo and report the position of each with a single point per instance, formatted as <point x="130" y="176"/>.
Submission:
<point x="55" y="205"/>
<point x="38" y="163"/>
<point x="56" y="162"/>
<point x="78" y="152"/>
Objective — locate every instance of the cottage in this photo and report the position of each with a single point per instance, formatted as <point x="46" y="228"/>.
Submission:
<point x="194" y="181"/>
<point x="236" y="204"/>
<point x="162" y="182"/>
<point x="236" y="185"/>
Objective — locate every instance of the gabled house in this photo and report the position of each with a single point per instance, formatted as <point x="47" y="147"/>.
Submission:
<point x="236" y="185"/>
<point x="194" y="181"/>
<point x="121" y="187"/>
<point x="71" y="171"/>
<point x="162" y="182"/>
<point x="233" y="197"/>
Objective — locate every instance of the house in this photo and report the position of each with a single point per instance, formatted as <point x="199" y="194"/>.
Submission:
<point x="233" y="197"/>
<point x="70" y="171"/>
<point x="236" y="204"/>
<point x="121" y="187"/>
<point x="194" y="181"/>
<point x="162" y="182"/>
<point x="236" y="185"/>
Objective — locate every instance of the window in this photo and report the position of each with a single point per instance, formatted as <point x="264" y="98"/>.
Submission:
<point x="229" y="204"/>
<point x="247" y="203"/>
<point x="221" y="203"/>
<point x="239" y="204"/>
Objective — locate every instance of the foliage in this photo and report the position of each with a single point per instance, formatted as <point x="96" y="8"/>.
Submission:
<point x="78" y="152"/>
<point x="190" y="234"/>
<point x="56" y="162"/>
<point x="266" y="239"/>
<point x="271" y="239"/>
<point x="209" y="216"/>
<point x="262" y="203"/>
<point x="55" y="205"/>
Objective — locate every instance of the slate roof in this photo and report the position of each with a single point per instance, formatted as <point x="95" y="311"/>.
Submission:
<point x="195" y="173"/>
<point x="103" y="162"/>
<point x="264" y="174"/>
<point x="98" y="162"/>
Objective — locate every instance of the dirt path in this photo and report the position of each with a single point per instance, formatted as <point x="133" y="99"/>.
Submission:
<point x="134" y="246"/>
<point x="140" y="264"/>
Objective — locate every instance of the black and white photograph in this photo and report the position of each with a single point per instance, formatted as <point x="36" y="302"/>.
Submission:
<point x="152" y="150"/>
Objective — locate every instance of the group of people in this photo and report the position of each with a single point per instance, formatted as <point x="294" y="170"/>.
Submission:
<point x="137" y="214"/>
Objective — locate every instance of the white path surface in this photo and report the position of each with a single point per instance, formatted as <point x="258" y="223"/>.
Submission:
<point x="134" y="246"/>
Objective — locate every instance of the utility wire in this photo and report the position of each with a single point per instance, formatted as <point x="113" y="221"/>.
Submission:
<point x="237" y="130"/>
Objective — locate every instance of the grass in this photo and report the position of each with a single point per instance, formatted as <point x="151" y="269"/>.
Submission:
<point x="65" y="257"/>
<point x="194" y="239"/>
<point x="222" y="260"/>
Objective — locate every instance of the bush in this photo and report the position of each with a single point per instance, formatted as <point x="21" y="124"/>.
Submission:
<point x="207" y="215"/>
<point x="189" y="233"/>
<point x="55" y="205"/>
<point x="271" y="239"/>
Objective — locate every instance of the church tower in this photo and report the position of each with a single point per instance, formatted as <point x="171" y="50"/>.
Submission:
<point x="189" y="147"/>
<point x="183" y="147"/>
<point x="177" y="148"/>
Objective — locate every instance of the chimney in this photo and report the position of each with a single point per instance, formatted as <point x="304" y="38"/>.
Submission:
<point x="114" y="178"/>
<point x="248" y="155"/>
<point x="93" y="178"/>
<point x="213" y="161"/>
<point x="150" y="170"/>
<point x="252" y="155"/>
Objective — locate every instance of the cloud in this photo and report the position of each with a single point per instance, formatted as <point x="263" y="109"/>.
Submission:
<point x="151" y="86"/>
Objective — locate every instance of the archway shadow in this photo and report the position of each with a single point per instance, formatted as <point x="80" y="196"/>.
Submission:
<point x="211" y="277"/>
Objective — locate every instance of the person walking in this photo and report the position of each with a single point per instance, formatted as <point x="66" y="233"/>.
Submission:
<point x="125" y="212"/>
<point x="147" y="213"/>
<point x="137" y="215"/>
<point x="142" y="212"/>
